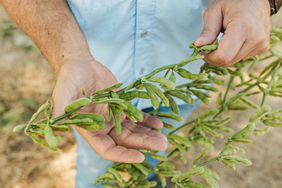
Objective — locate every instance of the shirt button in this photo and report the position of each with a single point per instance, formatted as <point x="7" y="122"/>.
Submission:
<point x="144" y="34"/>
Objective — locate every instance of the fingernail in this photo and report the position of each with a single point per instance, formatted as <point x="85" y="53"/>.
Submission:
<point x="204" y="39"/>
<point x="200" y="41"/>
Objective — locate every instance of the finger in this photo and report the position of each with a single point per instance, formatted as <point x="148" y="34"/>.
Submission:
<point x="105" y="146"/>
<point x="259" y="50"/>
<point x="151" y="121"/>
<point x="247" y="48"/>
<point x="61" y="97"/>
<point x="228" y="47"/>
<point x="142" y="129"/>
<point x="255" y="45"/>
<point x="138" y="137"/>
<point x="212" y="26"/>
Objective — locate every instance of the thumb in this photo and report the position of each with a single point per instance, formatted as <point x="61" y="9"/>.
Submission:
<point x="62" y="96"/>
<point x="212" y="25"/>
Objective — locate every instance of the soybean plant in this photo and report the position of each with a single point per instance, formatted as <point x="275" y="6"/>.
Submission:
<point x="202" y="131"/>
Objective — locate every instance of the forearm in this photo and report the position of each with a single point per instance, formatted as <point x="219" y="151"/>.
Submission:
<point x="51" y="25"/>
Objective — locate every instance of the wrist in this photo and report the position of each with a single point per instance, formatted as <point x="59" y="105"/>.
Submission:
<point x="70" y="61"/>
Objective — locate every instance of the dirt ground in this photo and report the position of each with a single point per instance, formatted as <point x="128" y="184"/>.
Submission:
<point x="26" y="81"/>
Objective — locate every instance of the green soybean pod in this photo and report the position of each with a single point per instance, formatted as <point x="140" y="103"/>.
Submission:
<point x="186" y="98"/>
<point x="38" y="112"/>
<point x="115" y="173"/>
<point x="262" y="111"/>
<point x="249" y="103"/>
<point x="95" y="126"/>
<point x="168" y="126"/>
<point x="172" y="77"/>
<point x="94" y="117"/>
<point x="59" y="127"/>
<point x="149" y="184"/>
<point x="209" y="48"/>
<point x="201" y="95"/>
<point x="50" y="138"/>
<point x="77" y="104"/>
<point x="243" y="133"/>
<point x="137" y="114"/>
<point x="118" y="102"/>
<point x="35" y="137"/>
<point x="163" y="82"/>
<point x="85" y="121"/>
<point x="134" y="94"/>
<point x="188" y="75"/>
<point x="180" y="140"/>
<point x="159" y="158"/>
<point x="237" y="105"/>
<point x="174" y="107"/>
<point x="206" y="87"/>
<point x="216" y="81"/>
<point x="116" y="115"/>
<point x="170" y="116"/>
<point x="142" y="169"/>
<point x="131" y="117"/>
<point x="108" y="185"/>
<point x="207" y="114"/>
<point x="116" y="86"/>
<point x="19" y="128"/>
<point x="272" y="123"/>
<point x="159" y="93"/>
<point x="169" y="173"/>
<point x="154" y="99"/>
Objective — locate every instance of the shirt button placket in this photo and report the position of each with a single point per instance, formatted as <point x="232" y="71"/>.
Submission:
<point x="145" y="14"/>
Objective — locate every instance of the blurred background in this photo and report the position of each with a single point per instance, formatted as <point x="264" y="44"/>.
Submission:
<point x="26" y="81"/>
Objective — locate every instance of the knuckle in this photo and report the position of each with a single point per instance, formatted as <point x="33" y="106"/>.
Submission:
<point x="207" y="12"/>
<point x="106" y="157"/>
<point x="264" y="49"/>
<point x="224" y="59"/>
<point x="263" y="43"/>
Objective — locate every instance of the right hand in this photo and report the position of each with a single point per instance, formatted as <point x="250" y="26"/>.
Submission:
<point x="89" y="76"/>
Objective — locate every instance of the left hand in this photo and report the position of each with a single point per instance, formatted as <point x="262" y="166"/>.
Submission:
<point x="246" y="25"/>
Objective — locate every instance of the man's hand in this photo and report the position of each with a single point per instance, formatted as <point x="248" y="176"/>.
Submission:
<point x="246" y="25"/>
<point x="90" y="76"/>
<point x="57" y="34"/>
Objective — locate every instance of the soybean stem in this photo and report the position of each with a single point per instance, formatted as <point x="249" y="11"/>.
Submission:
<point x="223" y="105"/>
<point x="208" y="162"/>
<point x="181" y="127"/>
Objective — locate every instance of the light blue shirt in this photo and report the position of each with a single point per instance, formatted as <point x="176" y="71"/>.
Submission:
<point x="134" y="37"/>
